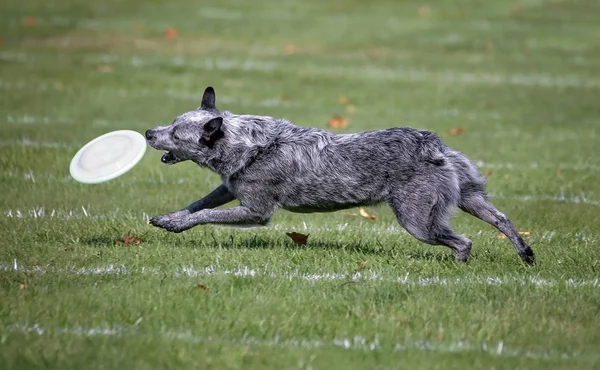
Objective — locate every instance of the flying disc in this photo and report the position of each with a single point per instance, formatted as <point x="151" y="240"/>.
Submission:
<point x="108" y="156"/>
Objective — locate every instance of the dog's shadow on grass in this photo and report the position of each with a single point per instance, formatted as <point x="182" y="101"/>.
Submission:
<point x="361" y="247"/>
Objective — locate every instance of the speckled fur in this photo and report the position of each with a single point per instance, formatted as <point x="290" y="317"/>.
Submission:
<point x="269" y="163"/>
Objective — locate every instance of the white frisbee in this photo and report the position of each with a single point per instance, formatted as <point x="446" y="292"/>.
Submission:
<point x="108" y="156"/>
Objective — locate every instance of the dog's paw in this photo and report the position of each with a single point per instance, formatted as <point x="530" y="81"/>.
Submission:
<point x="173" y="222"/>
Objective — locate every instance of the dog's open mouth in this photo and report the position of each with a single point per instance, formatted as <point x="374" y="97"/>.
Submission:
<point x="170" y="158"/>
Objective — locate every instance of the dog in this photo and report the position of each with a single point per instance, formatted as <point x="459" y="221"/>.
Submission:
<point x="268" y="163"/>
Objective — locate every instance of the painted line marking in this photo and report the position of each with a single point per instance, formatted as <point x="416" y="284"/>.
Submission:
<point x="353" y="343"/>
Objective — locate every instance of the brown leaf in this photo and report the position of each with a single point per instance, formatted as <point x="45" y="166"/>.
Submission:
<point x="202" y="287"/>
<point x="343" y="100"/>
<point x="439" y="337"/>
<point x="361" y="265"/>
<point x="298" y="238"/>
<point x="489" y="46"/>
<point x="502" y="236"/>
<point x="337" y="122"/>
<point x="487" y="173"/>
<point x="23" y="285"/>
<point x="289" y="49"/>
<point x="424" y="12"/>
<point x="129" y="240"/>
<point x="350" y="214"/>
<point x="105" y="68"/>
<point x="59" y="86"/>
<point x="351" y="108"/>
<point x="456" y="131"/>
<point x="29" y="21"/>
<point x="516" y="10"/>
<point x="171" y="33"/>
<point x="363" y="213"/>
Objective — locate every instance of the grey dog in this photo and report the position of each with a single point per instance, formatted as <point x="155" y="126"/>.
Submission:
<point x="269" y="163"/>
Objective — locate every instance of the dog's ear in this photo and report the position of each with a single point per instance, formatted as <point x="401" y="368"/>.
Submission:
<point x="208" y="99"/>
<point x="211" y="132"/>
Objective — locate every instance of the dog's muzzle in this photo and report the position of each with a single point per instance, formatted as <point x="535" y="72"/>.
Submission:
<point x="170" y="158"/>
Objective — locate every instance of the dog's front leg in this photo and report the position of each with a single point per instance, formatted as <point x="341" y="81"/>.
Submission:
<point x="216" y="198"/>
<point x="232" y="216"/>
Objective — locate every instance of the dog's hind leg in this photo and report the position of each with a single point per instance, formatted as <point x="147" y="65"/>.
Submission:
<point x="476" y="203"/>
<point x="424" y="211"/>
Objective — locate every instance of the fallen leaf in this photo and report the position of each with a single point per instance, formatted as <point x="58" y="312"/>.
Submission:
<point x="502" y="236"/>
<point x="343" y="100"/>
<point x="202" y="287"/>
<point x="30" y="21"/>
<point x="424" y="12"/>
<point x="487" y="173"/>
<point x="105" y="68"/>
<point x="456" y="131"/>
<point x="489" y="46"/>
<point x="439" y="337"/>
<point x="361" y="265"/>
<point x="171" y="33"/>
<point x="129" y="240"/>
<point x="351" y="108"/>
<point x="338" y="122"/>
<point x="517" y="10"/>
<point x="58" y="86"/>
<point x="22" y="285"/>
<point x="363" y="213"/>
<point x="289" y="49"/>
<point x="350" y="214"/>
<point x="298" y="238"/>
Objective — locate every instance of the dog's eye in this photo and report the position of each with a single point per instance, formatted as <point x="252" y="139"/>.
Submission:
<point x="175" y="136"/>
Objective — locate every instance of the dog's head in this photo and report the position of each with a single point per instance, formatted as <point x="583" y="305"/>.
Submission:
<point x="192" y="135"/>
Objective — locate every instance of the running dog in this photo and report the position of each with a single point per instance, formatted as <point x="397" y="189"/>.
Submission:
<point x="268" y="163"/>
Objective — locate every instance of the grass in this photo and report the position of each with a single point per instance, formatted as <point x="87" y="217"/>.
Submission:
<point x="522" y="80"/>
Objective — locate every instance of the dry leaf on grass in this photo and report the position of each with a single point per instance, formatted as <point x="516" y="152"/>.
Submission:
<point x="202" y="287"/>
<point x="456" y="131"/>
<point x="351" y="108"/>
<point x="298" y="238"/>
<point x="516" y="10"/>
<point x="424" y="12"/>
<point x="23" y="285"/>
<point x="439" y="337"/>
<point x="29" y="21"/>
<point x="337" y="122"/>
<point x="361" y="265"/>
<point x="289" y="49"/>
<point x="171" y="33"/>
<point x="363" y="213"/>
<point x="343" y="100"/>
<point x="129" y="240"/>
<point x="502" y="236"/>
<point x="105" y="68"/>
<point x="487" y="173"/>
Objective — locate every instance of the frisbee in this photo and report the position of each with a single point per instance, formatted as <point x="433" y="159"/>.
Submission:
<point x="108" y="156"/>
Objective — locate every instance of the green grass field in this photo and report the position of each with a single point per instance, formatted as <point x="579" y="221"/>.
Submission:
<point x="522" y="79"/>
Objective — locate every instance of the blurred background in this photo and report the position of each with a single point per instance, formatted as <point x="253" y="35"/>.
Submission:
<point x="513" y="84"/>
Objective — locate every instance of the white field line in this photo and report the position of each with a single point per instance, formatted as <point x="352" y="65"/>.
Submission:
<point x="362" y="276"/>
<point x="355" y="343"/>
<point x="128" y="94"/>
<point x="451" y="77"/>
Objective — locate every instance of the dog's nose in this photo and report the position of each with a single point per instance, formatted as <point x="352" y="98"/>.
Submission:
<point x="149" y="135"/>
